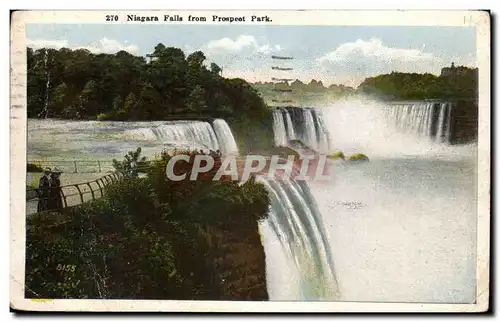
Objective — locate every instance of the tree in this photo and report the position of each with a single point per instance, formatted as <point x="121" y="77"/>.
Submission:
<point x="196" y="59"/>
<point x="150" y="104"/>
<point x="196" y="100"/>
<point x="60" y="98"/>
<point x="122" y="86"/>
<point x="88" y="99"/>
<point x="129" y="166"/>
<point x="214" y="68"/>
<point x="130" y="102"/>
<point x="117" y="103"/>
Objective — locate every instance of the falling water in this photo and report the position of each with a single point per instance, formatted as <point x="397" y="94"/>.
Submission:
<point x="195" y="134"/>
<point x="304" y="124"/>
<point x="280" y="136"/>
<point x="439" y="134"/>
<point x="297" y="223"/>
<point x="321" y="131"/>
<point x="428" y="119"/>
<point x="310" y="130"/>
<point x="225" y="137"/>
<point x="448" y="124"/>
<point x="289" y="123"/>
<point x="403" y="226"/>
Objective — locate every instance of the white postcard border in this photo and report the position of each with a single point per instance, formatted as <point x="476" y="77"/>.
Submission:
<point x="18" y="124"/>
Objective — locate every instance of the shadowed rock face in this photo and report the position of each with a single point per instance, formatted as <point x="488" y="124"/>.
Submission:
<point x="240" y="264"/>
<point x="465" y="125"/>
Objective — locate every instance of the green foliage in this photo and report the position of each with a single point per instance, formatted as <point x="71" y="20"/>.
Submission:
<point x="205" y="200"/>
<point x="401" y="86"/>
<point x="336" y="155"/>
<point x="357" y="157"/>
<point x="111" y="249"/>
<point x="60" y="98"/>
<point x="130" y="102"/>
<point x="126" y="87"/>
<point x="196" y="100"/>
<point x="214" y="68"/>
<point x="130" y="166"/>
<point x="104" y="117"/>
<point x="117" y="103"/>
<point x="421" y="86"/>
<point x="302" y="93"/>
<point x="33" y="167"/>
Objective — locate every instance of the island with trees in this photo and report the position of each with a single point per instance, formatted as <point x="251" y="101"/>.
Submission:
<point x="80" y="85"/>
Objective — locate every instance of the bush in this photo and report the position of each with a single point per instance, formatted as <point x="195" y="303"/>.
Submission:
<point x="224" y="200"/>
<point x="33" y="167"/>
<point x="336" y="155"/>
<point x="357" y="157"/>
<point x="132" y="163"/>
<point x="112" y="251"/>
<point x="104" y="117"/>
<point x="150" y="238"/>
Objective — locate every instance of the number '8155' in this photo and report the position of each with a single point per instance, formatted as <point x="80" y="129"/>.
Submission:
<point x="66" y="268"/>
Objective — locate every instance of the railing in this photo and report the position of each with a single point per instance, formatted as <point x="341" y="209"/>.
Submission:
<point x="72" y="194"/>
<point x="76" y="166"/>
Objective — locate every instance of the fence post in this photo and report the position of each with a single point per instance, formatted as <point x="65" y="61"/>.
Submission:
<point x="80" y="192"/>
<point x="91" y="190"/>
<point x="100" y="187"/>
<point x="99" y="163"/>
<point x="76" y="170"/>
<point x="64" y="198"/>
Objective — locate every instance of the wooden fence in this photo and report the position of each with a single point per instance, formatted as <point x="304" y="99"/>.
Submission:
<point x="73" y="194"/>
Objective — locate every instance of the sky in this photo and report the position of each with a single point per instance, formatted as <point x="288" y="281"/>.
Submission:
<point x="333" y="54"/>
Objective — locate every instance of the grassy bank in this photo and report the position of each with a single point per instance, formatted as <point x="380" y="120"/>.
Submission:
<point x="151" y="238"/>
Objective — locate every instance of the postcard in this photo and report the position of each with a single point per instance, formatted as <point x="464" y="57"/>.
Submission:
<point x="250" y="161"/>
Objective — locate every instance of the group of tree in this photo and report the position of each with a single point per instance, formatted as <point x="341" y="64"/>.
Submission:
<point x="298" y="91"/>
<point x="78" y="84"/>
<point x="393" y="86"/>
<point x="413" y="86"/>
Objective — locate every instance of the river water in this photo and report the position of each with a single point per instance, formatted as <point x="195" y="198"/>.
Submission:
<point x="52" y="141"/>
<point x="400" y="228"/>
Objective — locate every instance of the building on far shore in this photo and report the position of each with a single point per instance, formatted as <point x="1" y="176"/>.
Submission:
<point x="457" y="71"/>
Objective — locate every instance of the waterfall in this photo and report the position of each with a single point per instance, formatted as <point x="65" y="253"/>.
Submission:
<point x="189" y="134"/>
<point x="439" y="134"/>
<point x="448" y="124"/>
<point x="428" y="119"/>
<point x="297" y="223"/>
<point x="225" y="137"/>
<point x="321" y="132"/>
<point x="303" y="124"/>
<point x="310" y="130"/>
<point x="291" y="130"/>
<point x="280" y="136"/>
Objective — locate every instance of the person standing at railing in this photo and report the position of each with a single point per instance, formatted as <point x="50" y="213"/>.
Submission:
<point x="55" y="201"/>
<point x="44" y="190"/>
